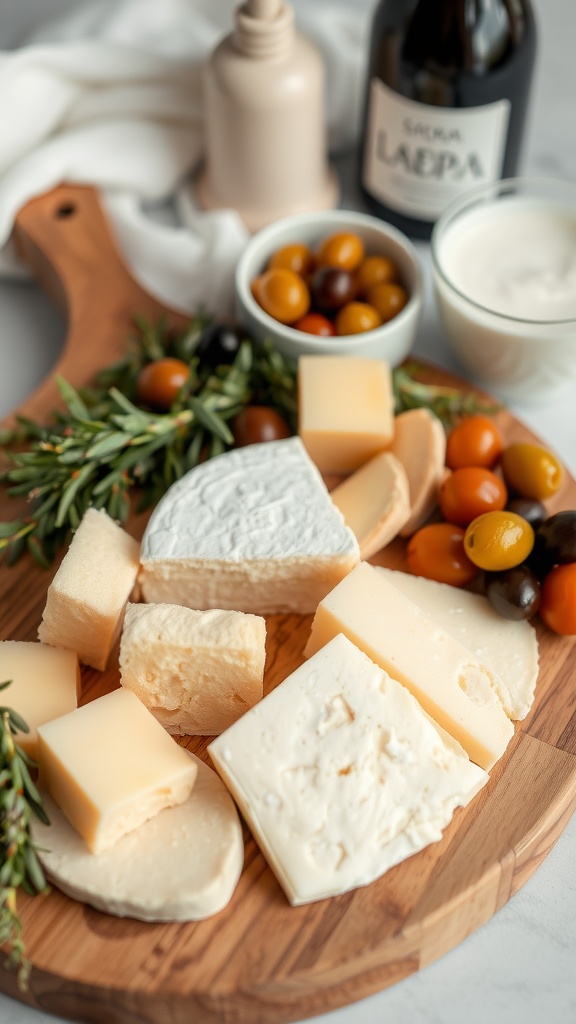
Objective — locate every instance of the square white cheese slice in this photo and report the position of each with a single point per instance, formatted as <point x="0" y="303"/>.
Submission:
<point x="341" y="775"/>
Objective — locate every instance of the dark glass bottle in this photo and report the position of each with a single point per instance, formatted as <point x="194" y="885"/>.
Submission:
<point x="446" y="99"/>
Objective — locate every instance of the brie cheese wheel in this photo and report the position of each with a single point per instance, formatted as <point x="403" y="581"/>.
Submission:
<point x="182" y="865"/>
<point x="254" y="530"/>
<point x="197" y="672"/>
<point x="511" y="648"/>
<point x="341" y="775"/>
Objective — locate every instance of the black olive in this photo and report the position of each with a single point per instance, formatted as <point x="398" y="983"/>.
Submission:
<point x="331" y="288"/>
<point x="555" y="540"/>
<point x="219" y="344"/>
<point x="534" y="511"/>
<point x="513" y="593"/>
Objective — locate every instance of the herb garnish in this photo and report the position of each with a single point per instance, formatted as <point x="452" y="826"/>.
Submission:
<point x="19" y="866"/>
<point x="102" y="448"/>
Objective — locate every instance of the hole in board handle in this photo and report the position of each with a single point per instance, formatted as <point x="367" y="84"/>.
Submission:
<point x="66" y="210"/>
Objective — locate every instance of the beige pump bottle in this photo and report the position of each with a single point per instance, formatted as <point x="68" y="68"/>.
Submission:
<point x="265" y="120"/>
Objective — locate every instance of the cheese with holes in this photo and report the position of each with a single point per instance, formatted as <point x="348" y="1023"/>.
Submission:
<point x="511" y="648"/>
<point x="110" y="767"/>
<point x="345" y="410"/>
<point x="254" y="530"/>
<point x="454" y="687"/>
<point x="375" y="502"/>
<point x="341" y="775"/>
<point x="45" y="683"/>
<point x="181" y="865"/>
<point x="197" y="672"/>
<point x="86" y="600"/>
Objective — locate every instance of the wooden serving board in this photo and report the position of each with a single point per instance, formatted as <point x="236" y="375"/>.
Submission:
<point x="261" y="961"/>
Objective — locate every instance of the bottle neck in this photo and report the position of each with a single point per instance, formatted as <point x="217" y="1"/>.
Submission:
<point x="264" y="28"/>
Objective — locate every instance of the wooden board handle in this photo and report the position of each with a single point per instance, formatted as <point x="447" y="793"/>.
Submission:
<point x="65" y="239"/>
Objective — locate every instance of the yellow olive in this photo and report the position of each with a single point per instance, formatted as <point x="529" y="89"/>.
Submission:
<point x="531" y="471"/>
<point x="498" y="540"/>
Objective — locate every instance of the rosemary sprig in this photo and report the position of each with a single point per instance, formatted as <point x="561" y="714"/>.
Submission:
<point x="448" y="403"/>
<point x="102" y="447"/>
<point x="19" y="866"/>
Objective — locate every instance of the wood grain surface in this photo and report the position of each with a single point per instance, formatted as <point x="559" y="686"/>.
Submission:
<point x="260" y="960"/>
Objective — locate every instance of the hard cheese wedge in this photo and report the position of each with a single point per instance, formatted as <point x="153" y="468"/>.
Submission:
<point x="375" y="502"/>
<point x="110" y="767"/>
<point x="346" y="410"/>
<point x="197" y="672"/>
<point x="456" y="689"/>
<point x="86" y="600"/>
<point x="45" y="683"/>
<point x="420" y="445"/>
<point x="253" y="530"/>
<point x="182" y="865"/>
<point x="341" y="775"/>
<point x="511" y="648"/>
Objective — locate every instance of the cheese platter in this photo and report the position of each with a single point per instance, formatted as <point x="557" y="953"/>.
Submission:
<point x="261" y="959"/>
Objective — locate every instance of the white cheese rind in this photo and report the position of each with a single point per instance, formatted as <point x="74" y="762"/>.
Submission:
<point x="183" y="865"/>
<point x="253" y="530"/>
<point x="197" y="672"/>
<point x="511" y="648"/>
<point x="453" y="686"/>
<point x="86" y="600"/>
<point x="340" y="774"/>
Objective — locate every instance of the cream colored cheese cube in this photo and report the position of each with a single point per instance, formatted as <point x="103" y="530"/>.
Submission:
<point x="45" y="683"/>
<point x="87" y="598"/>
<point x="197" y="671"/>
<point x="460" y="692"/>
<point x="110" y="767"/>
<point x="346" y="410"/>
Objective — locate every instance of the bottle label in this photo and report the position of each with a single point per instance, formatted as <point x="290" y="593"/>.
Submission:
<point x="418" y="158"/>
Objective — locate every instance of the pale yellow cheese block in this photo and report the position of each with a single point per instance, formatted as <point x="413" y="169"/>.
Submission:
<point x="196" y="671"/>
<point x="45" y="683"/>
<point x="420" y="445"/>
<point x="457" y="690"/>
<point x="87" y="598"/>
<point x="346" y="410"/>
<point x="375" y="502"/>
<point x="110" y="767"/>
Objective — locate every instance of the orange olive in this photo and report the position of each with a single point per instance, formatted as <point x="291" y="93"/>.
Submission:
<point x="468" y="492"/>
<point x="355" y="318"/>
<point x="158" y="383"/>
<point x="282" y="294"/>
<point x="531" y="471"/>
<point x="475" y="441"/>
<point x="375" y="270"/>
<point x="388" y="298"/>
<point x="437" y="552"/>
<point x="498" y="540"/>
<point x="344" y="250"/>
<point x="296" y="256"/>
<point x="558" y="603"/>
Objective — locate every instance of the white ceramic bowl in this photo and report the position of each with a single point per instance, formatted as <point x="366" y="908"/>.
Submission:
<point x="504" y="267"/>
<point x="392" y="341"/>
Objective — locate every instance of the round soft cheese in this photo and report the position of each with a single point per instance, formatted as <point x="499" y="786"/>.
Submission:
<point x="182" y="865"/>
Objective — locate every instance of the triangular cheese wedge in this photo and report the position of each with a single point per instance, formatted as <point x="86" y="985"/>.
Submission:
<point x="254" y="529"/>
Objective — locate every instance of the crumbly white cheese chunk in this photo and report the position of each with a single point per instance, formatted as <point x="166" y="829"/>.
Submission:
<point x="511" y="648"/>
<point x="254" y="529"/>
<point x="341" y="775"/>
<point x="197" y="672"/>
<point x="183" y="865"/>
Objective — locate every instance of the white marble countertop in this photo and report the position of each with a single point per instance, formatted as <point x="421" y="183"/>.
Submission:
<point x="519" y="968"/>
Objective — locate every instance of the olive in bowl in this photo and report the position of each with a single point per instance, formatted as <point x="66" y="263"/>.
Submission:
<point x="391" y="340"/>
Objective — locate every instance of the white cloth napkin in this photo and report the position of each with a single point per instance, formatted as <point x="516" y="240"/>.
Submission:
<point x="110" y="95"/>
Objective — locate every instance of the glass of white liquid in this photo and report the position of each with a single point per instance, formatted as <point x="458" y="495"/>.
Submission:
<point x="504" y="266"/>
